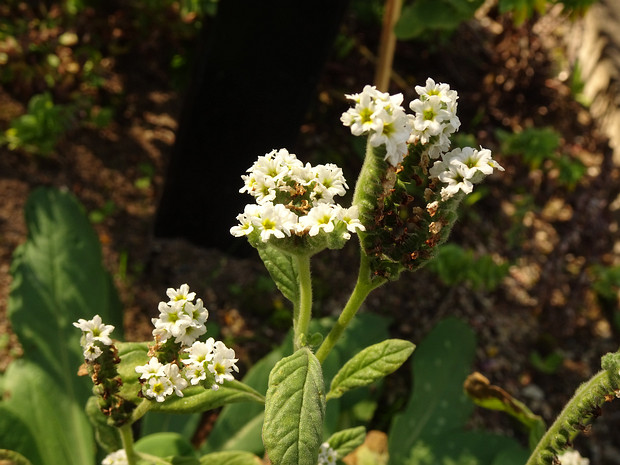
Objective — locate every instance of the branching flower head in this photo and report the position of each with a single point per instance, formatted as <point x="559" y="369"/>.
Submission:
<point x="295" y="201"/>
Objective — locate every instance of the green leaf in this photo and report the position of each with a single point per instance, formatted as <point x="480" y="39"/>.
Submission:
<point x="58" y="277"/>
<point x="10" y="457"/>
<point x="165" y="445"/>
<point x="371" y="364"/>
<point x="282" y="268"/>
<point x="56" y="428"/>
<point x="466" y="448"/>
<point x="346" y="441"/>
<point x="294" y="409"/>
<point x="432" y="15"/>
<point x="437" y="404"/>
<point x="232" y="457"/>
<point x="198" y="399"/>
<point x="239" y="425"/>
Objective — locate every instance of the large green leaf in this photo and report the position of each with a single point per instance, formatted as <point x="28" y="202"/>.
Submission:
<point x="55" y="426"/>
<point x="345" y="441"/>
<point x="438" y="403"/>
<point x="294" y="409"/>
<point x="167" y="445"/>
<point x="58" y="277"/>
<point x="283" y="270"/>
<point x="370" y="365"/>
<point x="467" y="448"/>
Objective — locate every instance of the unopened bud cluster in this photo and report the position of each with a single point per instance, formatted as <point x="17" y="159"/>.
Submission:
<point x="294" y="200"/>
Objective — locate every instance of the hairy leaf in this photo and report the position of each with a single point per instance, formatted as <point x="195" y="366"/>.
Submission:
<point x="345" y="441"/>
<point x="369" y="365"/>
<point x="282" y="268"/>
<point x="294" y="409"/>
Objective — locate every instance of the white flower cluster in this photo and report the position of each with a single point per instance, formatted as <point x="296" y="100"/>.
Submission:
<point x="180" y="317"/>
<point x="210" y="356"/>
<point x="93" y="331"/>
<point x="327" y="455"/>
<point x="294" y="199"/>
<point x="460" y="169"/>
<point x="381" y="116"/>
<point x="185" y="321"/>
<point x="435" y="117"/>
<point x="118" y="457"/>
<point x="573" y="457"/>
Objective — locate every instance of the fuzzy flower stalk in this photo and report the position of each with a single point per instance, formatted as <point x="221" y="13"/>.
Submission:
<point x="412" y="181"/>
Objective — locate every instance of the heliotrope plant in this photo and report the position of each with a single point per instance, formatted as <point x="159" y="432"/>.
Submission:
<point x="404" y="206"/>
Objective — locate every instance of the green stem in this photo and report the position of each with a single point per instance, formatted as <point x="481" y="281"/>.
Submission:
<point x="127" y="438"/>
<point x="575" y="416"/>
<point x="140" y="410"/>
<point x="362" y="288"/>
<point x="304" y="312"/>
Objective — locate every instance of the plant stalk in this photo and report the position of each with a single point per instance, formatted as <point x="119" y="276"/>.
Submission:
<point x="362" y="288"/>
<point x="387" y="44"/>
<point x="304" y="312"/>
<point x="127" y="439"/>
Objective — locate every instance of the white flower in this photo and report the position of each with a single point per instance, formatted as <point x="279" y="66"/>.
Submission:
<point x="274" y="220"/>
<point x="479" y="160"/>
<point x="319" y="218"/>
<point x="172" y="321"/>
<point x="393" y="131"/>
<point x="327" y="455"/>
<point x="94" y="330"/>
<point x="330" y="178"/>
<point x="430" y="115"/>
<point x="246" y="222"/>
<point x="362" y="117"/>
<point x="171" y="371"/>
<point x="350" y="217"/>
<point x="116" y="458"/>
<point x="457" y="177"/>
<point x="200" y="354"/>
<point x="151" y="369"/>
<point x="222" y="364"/>
<point x="159" y="388"/>
<point x="181" y="294"/>
<point x="91" y="351"/>
<point x="440" y="90"/>
<point x="573" y="457"/>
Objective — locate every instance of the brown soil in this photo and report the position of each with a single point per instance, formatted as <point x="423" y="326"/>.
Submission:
<point x="507" y="78"/>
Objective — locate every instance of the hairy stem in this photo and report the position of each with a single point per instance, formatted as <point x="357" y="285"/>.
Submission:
<point x="304" y="311"/>
<point x="580" y="411"/>
<point x="362" y="288"/>
<point x="127" y="438"/>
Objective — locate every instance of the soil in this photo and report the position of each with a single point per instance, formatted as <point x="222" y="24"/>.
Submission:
<point x="508" y="78"/>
